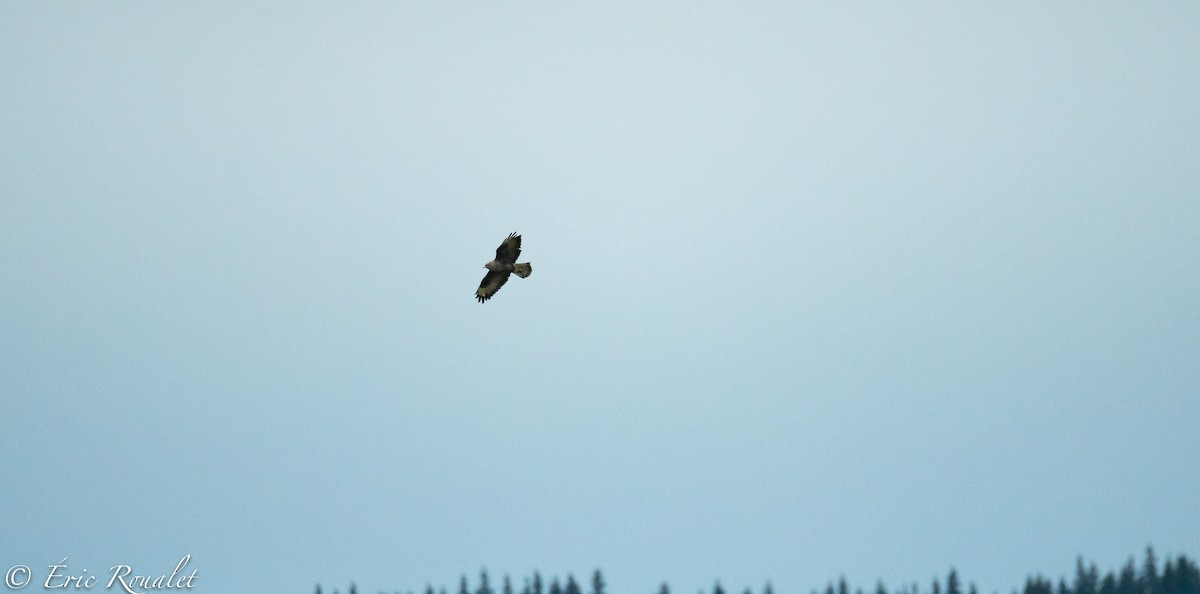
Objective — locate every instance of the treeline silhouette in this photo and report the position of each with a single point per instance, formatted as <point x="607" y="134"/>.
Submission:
<point x="1174" y="576"/>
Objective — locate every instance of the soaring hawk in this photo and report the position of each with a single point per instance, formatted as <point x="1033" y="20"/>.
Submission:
<point x="499" y="269"/>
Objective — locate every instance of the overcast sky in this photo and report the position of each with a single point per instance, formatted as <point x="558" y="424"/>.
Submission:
<point x="872" y="289"/>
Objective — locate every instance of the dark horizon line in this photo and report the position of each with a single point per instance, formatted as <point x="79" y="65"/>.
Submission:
<point x="1178" y="575"/>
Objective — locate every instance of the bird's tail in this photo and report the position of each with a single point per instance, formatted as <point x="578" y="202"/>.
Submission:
<point x="523" y="270"/>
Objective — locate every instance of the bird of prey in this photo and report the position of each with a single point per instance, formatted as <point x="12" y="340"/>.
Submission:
<point x="499" y="269"/>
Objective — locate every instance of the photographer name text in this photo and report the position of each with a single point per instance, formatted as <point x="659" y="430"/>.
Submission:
<point x="120" y="578"/>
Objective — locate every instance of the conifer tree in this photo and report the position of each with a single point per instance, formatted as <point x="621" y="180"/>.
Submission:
<point x="1086" y="578"/>
<point x="597" y="582"/>
<point x="1108" y="585"/>
<point x="1188" y="576"/>
<point x="572" y="586"/>
<point x="484" y="588"/>
<point x="952" y="586"/>
<point x="1127" y="583"/>
<point x="664" y="588"/>
<point x="1149" y="577"/>
<point x="1167" y="581"/>
<point x="1038" y="585"/>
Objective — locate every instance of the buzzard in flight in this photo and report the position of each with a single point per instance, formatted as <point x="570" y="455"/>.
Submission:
<point x="499" y="269"/>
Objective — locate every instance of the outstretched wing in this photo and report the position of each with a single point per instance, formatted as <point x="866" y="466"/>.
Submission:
<point x="491" y="283"/>
<point x="509" y="250"/>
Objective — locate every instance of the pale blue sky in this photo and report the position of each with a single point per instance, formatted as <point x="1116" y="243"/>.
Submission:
<point x="869" y="289"/>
